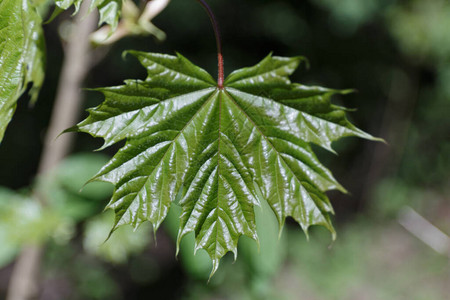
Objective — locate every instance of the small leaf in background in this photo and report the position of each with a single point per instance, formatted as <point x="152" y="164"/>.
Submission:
<point x="123" y="243"/>
<point x="134" y="21"/>
<point x="22" y="55"/>
<point x="24" y="221"/>
<point x="222" y="151"/>
<point x="77" y="169"/>
<point x="8" y="250"/>
<point x="65" y="191"/>
<point x="109" y="10"/>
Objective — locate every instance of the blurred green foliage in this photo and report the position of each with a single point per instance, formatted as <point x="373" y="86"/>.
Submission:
<point x="366" y="264"/>
<point x="120" y="245"/>
<point x="349" y="15"/>
<point x="421" y="29"/>
<point x="23" y="220"/>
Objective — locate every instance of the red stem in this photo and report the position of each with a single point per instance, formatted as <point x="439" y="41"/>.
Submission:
<point x="220" y="79"/>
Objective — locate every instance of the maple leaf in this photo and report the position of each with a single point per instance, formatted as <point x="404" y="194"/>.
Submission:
<point x="218" y="152"/>
<point x="21" y="55"/>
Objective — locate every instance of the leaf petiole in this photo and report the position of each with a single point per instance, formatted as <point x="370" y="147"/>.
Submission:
<point x="220" y="78"/>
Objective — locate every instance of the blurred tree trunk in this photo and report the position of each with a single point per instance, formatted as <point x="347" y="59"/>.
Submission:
<point x="24" y="282"/>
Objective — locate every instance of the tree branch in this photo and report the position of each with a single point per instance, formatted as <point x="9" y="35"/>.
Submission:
<point x="24" y="279"/>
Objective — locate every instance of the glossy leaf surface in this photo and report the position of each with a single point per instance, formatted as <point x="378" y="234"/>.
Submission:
<point x="21" y="55"/>
<point x="218" y="153"/>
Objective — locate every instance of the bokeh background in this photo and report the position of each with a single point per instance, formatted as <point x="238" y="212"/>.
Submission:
<point x="395" y="53"/>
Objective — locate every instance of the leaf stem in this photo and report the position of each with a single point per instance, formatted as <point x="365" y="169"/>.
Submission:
<point x="220" y="79"/>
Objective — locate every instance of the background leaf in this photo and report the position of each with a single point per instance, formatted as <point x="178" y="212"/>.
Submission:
<point x="23" y="220"/>
<point x="118" y="247"/>
<point x="64" y="189"/>
<point x="109" y="10"/>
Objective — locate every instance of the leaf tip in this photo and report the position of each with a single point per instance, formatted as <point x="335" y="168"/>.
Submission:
<point x="178" y="243"/>
<point x="330" y="149"/>
<point x="177" y="250"/>
<point x="341" y="189"/>
<point x="280" y="229"/>
<point x="258" y="243"/>
<point x="330" y="228"/>
<point x="125" y="54"/>
<point x="306" y="231"/>
<point x="235" y="255"/>
<point x="130" y="52"/>
<point x="364" y="135"/>
<point x="84" y="185"/>
<point x="104" y="146"/>
<point x="300" y="59"/>
<point x="348" y="91"/>
<point x="110" y="233"/>
<point x="375" y="139"/>
<point x="70" y="129"/>
<point x="333" y="236"/>
<point x="154" y="234"/>
<point x="58" y="10"/>
<point x="215" y="266"/>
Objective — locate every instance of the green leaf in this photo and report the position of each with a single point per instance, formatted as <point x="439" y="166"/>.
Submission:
<point x="21" y="55"/>
<point x="218" y="153"/>
<point x="109" y="9"/>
